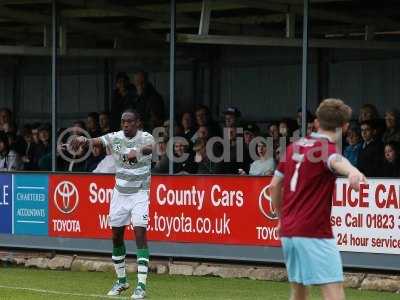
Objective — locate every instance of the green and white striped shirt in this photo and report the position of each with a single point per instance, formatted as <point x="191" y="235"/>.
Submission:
<point x="130" y="176"/>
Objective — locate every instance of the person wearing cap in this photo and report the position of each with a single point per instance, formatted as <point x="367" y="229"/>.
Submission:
<point x="231" y="117"/>
<point x="250" y="131"/>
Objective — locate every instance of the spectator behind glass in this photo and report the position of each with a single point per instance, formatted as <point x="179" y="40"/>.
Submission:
<point x="369" y="112"/>
<point x="203" y="163"/>
<point x="28" y="150"/>
<point x="231" y="117"/>
<point x="392" y="132"/>
<point x="92" y="124"/>
<point x="149" y="103"/>
<point x="6" y="121"/>
<point x="161" y="165"/>
<point x="352" y="151"/>
<point x="35" y="133"/>
<point x="181" y="165"/>
<point x="370" y="157"/>
<point x="239" y="158"/>
<point x="104" y="123"/>
<point x="273" y="131"/>
<point x="44" y="148"/>
<point x="391" y="165"/>
<point x="203" y="118"/>
<point x="187" y="124"/>
<point x="9" y="160"/>
<point x="250" y="131"/>
<point x="122" y="99"/>
<point x="95" y="158"/>
<point x="265" y="165"/>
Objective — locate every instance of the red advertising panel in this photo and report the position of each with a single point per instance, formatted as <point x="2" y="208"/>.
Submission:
<point x="218" y="210"/>
<point x="78" y="205"/>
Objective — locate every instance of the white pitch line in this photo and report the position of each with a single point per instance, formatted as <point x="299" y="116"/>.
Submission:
<point x="61" y="293"/>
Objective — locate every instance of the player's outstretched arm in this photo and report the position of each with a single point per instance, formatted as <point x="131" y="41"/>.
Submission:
<point x="82" y="141"/>
<point x="343" y="167"/>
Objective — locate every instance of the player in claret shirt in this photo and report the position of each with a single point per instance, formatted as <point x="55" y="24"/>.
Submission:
<point x="301" y="191"/>
<point x="132" y="152"/>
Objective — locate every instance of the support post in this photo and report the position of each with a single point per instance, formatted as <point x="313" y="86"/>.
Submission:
<point x="290" y="25"/>
<point x="304" y="78"/>
<point x="204" y="26"/>
<point x="172" y="43"/>
<point x="54" y="87"/>
<point x="63" y="40"/>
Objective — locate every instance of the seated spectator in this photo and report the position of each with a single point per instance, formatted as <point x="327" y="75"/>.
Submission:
<point x="370" y="157"/>
<point x="352" y="151"/>
<point x="309" y="118"/>
<point x="204" y="119"/>
<point x="187" y="123"/>
<point x="161" y="165"/>
<point x="391" y="163"/>
<point x="178" y="130"/>
<point x="265" y="165"/>
<point x="9" y="160"/>
<point x="183" y="166"/>
<point x="201" y="159"/>
<point x="107" y="165"/>
<point x="273" y="131"/>
<point x="104" y="123"/>
<point x="369" y="112"/>
<point x="92" y="124"/>
<point x="95" y="158"/>
<point x="183" y="160"/>
<point x="392" y="132"/>
<point x="28" y="150"/>
<point x="78" y="124"/>
<point x="6" y="121"/>
<point x="311" y="125"/>
<point x="231" y="117"/>
<point x="12" y="139"/>
<point x="44" y="148"/>
<point x="250" y="131"/>
<point x="35" y="133"/>
<point x="238" y="157"/>
<point x="148" y="102"/>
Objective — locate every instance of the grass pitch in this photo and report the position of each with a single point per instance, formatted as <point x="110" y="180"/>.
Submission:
<point x="33" y="284"/>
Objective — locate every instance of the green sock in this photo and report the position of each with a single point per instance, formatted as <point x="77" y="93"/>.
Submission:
<point x="118" y="258"/>
<point x="143" y="266"/>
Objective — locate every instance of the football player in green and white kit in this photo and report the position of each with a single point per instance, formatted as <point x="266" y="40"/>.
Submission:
<point x="132" y="152"/>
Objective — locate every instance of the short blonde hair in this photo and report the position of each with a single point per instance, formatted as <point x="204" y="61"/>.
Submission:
<point x="333" y="113"/>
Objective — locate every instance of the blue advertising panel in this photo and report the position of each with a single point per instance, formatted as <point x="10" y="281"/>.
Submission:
<point x="6" y="203"/>
<point x="31" y="204"/>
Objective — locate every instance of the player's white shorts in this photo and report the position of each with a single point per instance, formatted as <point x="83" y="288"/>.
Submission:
<point x="126" y="209"/>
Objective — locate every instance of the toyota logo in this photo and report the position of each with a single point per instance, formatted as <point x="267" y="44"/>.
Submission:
<point x="66" y="197"/>
<point x="265" y="204"/>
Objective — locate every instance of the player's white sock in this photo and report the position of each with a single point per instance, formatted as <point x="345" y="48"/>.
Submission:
<point x="118" y="258"/>
<point x="143" y="266"/>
